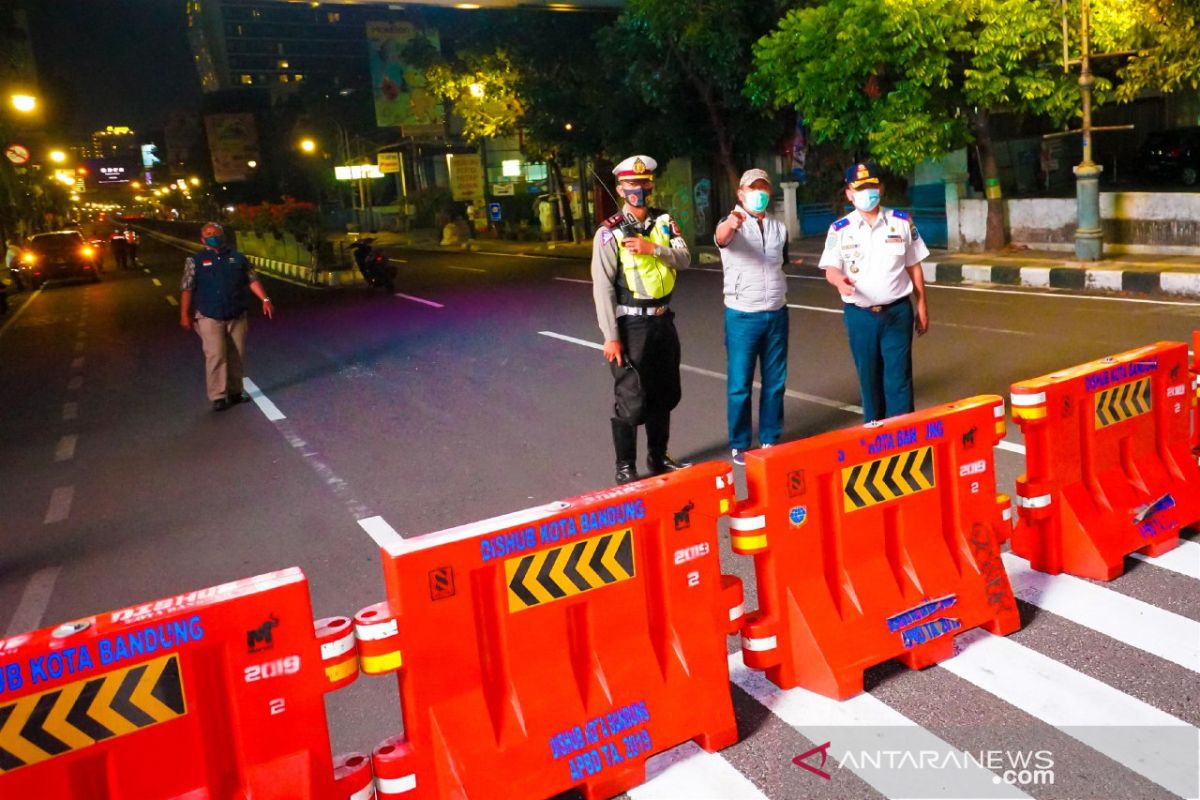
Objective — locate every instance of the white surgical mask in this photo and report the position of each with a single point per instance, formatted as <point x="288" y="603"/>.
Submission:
<point x="757" y="201"/>
<point x="866" y="199"/>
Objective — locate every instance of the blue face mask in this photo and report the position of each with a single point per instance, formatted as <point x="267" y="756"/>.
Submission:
<point x="212" y="241"/>
<point x="866" y="199"/>
<point x="757" y="201"/>
<point x="637" y="197"/>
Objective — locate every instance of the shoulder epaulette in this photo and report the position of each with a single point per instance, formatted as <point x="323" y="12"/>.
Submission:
<point x="841" y="223"/>
<point x="900" y="214"/>
<point x="614" y="221"/>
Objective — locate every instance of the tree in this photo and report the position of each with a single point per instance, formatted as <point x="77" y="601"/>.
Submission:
<point x="1166" y="36"/>
<point x="688" y="60"/>
<point x="921" y="79"/>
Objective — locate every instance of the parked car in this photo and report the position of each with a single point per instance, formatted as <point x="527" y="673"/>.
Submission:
<point x="1172" y="155"/>
<point x="58" y="256"/>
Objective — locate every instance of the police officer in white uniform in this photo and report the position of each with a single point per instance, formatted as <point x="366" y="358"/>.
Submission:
<point x="873" y="258"/>
<point x="635" y="255"/>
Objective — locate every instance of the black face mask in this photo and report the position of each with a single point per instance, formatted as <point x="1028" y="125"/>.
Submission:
<point x="637" y="197"/>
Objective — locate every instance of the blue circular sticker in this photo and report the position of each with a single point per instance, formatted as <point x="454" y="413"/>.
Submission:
<point x="798" y="515"/>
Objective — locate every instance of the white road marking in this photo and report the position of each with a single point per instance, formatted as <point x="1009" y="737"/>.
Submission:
<point x="812" y="398"/>
<point x="34" y="600"/>
<point x="687" y="771"/>
<point x="70" y="411"/>
<point x="1148" y="741"/>
<point x="60" y="505"/>
<point x="156" y="281"/>
<point x="384" y="535"/>
<point x="573" y="280"/>
<point x="1184" y="559"/>
<point x="467" y="269"/>
<point x="171" y="300"/>
<point x="75" y="383"/>
<point x="398" y="260"/>
<point x="66" y="447"/>
<point x="77" y="363"/>
<point x="1125" y="619"/>
<point x="17" y="314"/>
<point x="269" y="409"/>
<point x="420" y="300"/>
<point x="148" y="271"/>
<point x="1057" y="296"/>
<point x="816" y="308"/>
<point x="939" y="324"/>
<point x="865" y="723"/>
<point x="1011" y="447"/>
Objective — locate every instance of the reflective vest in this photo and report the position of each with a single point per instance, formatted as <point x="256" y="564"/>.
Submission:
<point x="644" y="280"/>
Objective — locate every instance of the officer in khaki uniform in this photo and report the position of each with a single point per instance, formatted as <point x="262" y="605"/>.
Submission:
<point x="873" y="257"/>
<point x="635" y="255"/>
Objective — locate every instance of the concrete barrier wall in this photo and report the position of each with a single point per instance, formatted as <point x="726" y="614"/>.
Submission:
<point x="1134" y="222"/>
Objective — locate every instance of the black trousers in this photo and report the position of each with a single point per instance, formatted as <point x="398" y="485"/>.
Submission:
<point x="646" y="387"/>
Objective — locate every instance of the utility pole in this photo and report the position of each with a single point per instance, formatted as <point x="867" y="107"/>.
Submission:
<point x="1089" y="234"/>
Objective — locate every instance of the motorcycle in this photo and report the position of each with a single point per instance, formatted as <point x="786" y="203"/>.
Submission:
<point x="378" y="272"/>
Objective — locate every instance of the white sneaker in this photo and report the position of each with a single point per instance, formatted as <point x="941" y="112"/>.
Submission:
<point x="739" y="457"/>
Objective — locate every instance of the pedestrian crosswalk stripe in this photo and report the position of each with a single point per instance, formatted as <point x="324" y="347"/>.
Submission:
<point x="1139" y="624"/>
<point x="687" y="771"/>
<point x="1184" y="559"/>
<point x="48" y="724"/>
<point x="1122" y="402"/>
<point x="865" y="723"/>
<point x="887" y="478"/>
<point x="1148" y="741"/>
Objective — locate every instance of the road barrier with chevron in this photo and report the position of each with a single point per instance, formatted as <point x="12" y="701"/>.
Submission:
<point x="214" y="693"/>
<point x="874" y="543"/>
<point x="558" y="647"/>
<point x="1109" y="467"/>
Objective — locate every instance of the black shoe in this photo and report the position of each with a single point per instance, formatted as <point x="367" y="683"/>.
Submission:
<point x="237" y="397"/>
<point x="626" y="473"/>
<point x="220" y="404"/>
<point x="657" y="465"/>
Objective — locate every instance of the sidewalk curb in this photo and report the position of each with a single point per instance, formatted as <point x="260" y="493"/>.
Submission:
<point x="1174" y="284"/>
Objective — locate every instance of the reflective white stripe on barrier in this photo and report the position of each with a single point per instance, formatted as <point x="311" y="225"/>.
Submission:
<point x="396" y="785"/>
<point x="377" y="631"/>
<point x="737" y="611"/>
<point x="748" y="523"/>
<point x="720" y="481"/>
<point x="1029" y="399"/>
<point x="365" y="793"/>
<point x="341" y="646"/>
<point x="759" y="645"/>
<point x="1034" y="502"/>
<point x="1006" y="514"/>
<point x="998" y="411"/>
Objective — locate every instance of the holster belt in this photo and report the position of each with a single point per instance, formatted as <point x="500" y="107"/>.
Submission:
<point x="641" y="311"/>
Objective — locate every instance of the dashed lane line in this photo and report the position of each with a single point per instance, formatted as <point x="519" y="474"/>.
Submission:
<point x="573" y="280"/>
<point x="60" y="505"/>
<point x="31" y="608"/>
<point x="70" y="411"/>
<point x="420" y="300"/>
<point x="171" y="300"/>
<point x="65" y="450"/>
<point x="75" y="383"/>
<point x="467" y="269"/>
<point x="269" y="409"/>
<point x="77" y="363"/>
<point x="156" y="281"/>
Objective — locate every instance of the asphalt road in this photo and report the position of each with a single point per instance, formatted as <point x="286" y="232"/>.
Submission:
<point x="479" y="390"/>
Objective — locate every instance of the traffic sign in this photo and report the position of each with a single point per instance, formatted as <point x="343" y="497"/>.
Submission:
<point x="389" y="162"/>
<point x="17" y="154"/>
<point x="494" y="212"/>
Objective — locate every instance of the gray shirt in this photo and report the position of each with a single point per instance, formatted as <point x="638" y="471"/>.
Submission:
<point x="606" y="264"/>
<point x="752" y="262"/>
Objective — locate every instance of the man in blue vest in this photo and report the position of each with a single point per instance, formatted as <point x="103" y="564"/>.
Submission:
<point x="212" y="302"/>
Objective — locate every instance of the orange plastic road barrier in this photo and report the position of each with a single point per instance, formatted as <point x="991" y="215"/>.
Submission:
<point x="874" y="543"/>
<point x="557" y="648"/>
<point x="213" y="693"/>
<point x="1109" y="467"/>
<point x="1195" y="392"/>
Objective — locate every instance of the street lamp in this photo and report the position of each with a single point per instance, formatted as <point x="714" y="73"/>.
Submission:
<point x="252" y="164"/>
<point x="476" y="89"/>
<point x="308" y="146"/>
<point x="194" y="181"/>
<point x="25" y="103"/>
<point x="58" y="156"/>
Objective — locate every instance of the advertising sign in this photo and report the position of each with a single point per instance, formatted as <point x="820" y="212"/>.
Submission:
<point x="401" y="95"/>
<point x="389" y="163"/>
<point x="466" y="176"/>
<point x="232" y="144"/>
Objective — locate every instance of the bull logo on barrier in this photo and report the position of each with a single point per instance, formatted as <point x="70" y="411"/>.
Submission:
<point x="683" y="517"/>
<point x="260" y="638"/>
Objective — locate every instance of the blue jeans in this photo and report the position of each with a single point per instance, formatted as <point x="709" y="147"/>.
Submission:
<point x="756" y="336"/>
<point x="882" y="348"/>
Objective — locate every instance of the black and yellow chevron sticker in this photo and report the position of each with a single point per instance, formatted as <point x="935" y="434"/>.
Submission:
<point x="561" y="572"/>
<point x="1123" y="402"/>
<point x="71" y="717"/>
<point x="887" y="478"/>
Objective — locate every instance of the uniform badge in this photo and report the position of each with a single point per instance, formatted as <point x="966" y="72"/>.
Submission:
<point x="854" y="268"/>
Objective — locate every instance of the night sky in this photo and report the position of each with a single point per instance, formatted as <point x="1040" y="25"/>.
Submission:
<point x="114" y="62"/>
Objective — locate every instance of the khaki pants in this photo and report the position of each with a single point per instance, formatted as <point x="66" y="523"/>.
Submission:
<point x="224" y="343"/>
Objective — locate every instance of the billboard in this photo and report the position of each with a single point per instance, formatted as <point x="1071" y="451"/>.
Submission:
<point x="233" y="144"/>
<point x="402" y="98"/>
<point x="466" y="176"/>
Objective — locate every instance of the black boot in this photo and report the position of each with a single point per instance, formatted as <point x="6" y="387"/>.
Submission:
<point x="625" y="443"/>
<point x="658" y="431"/>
